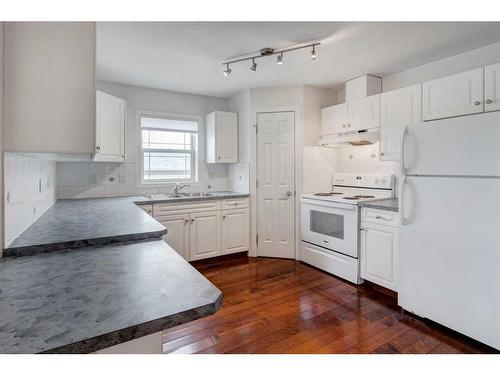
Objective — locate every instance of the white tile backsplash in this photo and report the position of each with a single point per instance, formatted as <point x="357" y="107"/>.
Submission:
<point x="30" y="189"/>
<point x="91" y="180"/>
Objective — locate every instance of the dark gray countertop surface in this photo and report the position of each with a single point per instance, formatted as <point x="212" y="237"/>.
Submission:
<point x="75" y="223"/>
<point x="83" y="300"/>
<point x="382" y="204"/>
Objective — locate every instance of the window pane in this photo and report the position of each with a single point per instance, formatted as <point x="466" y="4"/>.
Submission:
<point x="164" y="140"/>
<point x="169" y="124"/>
<point x="166" y="165"/>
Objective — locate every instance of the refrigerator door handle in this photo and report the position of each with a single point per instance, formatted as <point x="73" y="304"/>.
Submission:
<point x="402" y="219"/>
<point x="402" y="151"/>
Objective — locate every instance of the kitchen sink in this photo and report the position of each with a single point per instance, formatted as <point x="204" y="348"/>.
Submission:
<point x="190" y="195"/>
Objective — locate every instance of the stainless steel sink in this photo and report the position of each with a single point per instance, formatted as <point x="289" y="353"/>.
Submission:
<point x="179" y="195"/>
<point x="192" y="195"/>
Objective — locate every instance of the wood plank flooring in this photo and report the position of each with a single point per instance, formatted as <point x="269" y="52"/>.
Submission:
<point x="283" y="306"/>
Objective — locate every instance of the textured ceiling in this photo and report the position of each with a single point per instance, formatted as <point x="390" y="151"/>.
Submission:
<point x="187" y="56"/>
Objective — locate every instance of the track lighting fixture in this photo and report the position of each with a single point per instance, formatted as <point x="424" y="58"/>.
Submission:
<point x="254" y="65"/>
<point x="279" y="59"/>
<point x="313" y="54"/>
<point x="227" y="72"/>
<point x="264" y="52"/>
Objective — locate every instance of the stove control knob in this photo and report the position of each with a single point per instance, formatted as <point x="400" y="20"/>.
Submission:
<point x="377" y="180"/>
<point x="383" y="180"/>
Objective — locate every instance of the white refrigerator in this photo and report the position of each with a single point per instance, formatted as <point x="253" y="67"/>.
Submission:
<point x="449" y="199"/>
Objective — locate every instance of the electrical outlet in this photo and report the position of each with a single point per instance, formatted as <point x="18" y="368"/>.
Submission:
<point x="123" y="179"/>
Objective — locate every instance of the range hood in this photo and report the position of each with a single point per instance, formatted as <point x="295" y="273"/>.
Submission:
<point x="351" y="138"/>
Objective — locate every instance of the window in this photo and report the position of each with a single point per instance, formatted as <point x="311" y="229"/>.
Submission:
<point x="168" y="149"/>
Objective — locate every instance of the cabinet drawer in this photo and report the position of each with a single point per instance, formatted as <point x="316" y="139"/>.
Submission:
<point x="372" y="215"/>
<point x="162" y="209"/>
<point x="231" y="204"/>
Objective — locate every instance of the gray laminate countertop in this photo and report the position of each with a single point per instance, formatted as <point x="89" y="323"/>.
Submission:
<point x="84" y="300"/>
<point x="382" y="204"/>
<point x="75" y="223"/>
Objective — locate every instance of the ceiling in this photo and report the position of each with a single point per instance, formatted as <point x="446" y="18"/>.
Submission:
<point x="187" y="56"/>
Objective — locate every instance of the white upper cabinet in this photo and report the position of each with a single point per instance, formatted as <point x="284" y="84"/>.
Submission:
<point x="334" y="119"/>
<point x="398" y="108"/>
<point x="455" y="95"/>
<point x="222" y="137"/>
<point x="110" y="128"/>
<point x="364" y="113"/>
<point x="492" y="87"/>
<point x="49" y="87"/>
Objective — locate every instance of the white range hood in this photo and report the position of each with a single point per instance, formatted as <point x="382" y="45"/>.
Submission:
<point x="356" y="90"/>
<point x="352" y="138"/>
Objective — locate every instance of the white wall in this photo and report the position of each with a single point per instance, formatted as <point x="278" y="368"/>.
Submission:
<point x="24" y="202"/>
<point x="1" y="139"/>
<point x="94" y="179"/>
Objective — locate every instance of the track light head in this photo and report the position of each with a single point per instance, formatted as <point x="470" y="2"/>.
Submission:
<point x="279" y="59"/>
<point x="313" y="54"/>
<point x="254" y="65"/>
<point x="228" y="71"/>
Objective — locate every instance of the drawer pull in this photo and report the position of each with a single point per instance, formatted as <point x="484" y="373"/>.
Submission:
<point x="380" y="217"/>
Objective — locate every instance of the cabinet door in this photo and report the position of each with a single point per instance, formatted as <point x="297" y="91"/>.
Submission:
<point x="398" y="108"/>
<point x="492" y="87"/>
<point x="379" y="252"/>
<point x="177" y="233"/>
<point x="364" y="113"/>
<point x="235" y="231"/>
<point x="333" y="119"/>
<point x="204" y="235"/>
<point x="455" y="95"/>
<point x="226" y="137"/>
<point x="110" y="128"/>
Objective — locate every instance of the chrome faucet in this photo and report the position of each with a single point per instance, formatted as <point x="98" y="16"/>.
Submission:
<point x="177" y="188"/>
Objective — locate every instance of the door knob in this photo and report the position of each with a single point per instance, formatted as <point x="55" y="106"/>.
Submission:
<point x="288" y="193"/>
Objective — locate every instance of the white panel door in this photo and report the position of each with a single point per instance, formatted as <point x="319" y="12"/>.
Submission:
<point x="455" y="95"/>
<point x="398" y="108"/>
<point x="379" y="246"/>
<point x="226" y="137"/>
<point x="177" y="233"/>
<point x="110" y="128"/>
<point x="449" y="251"/>
<point x="492" y="87"/>
<point x="276" y="184"/>
<point x="204" y="235"/>
<point x="235" y="231"/>
<point x="363" y="113"/>
<point x="333" y="119"/>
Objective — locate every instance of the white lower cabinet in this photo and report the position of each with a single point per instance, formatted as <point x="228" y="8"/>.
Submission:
<point x="204" y="235"/>
<point x="197" y="231"/>
<point x="235" y="231"/>
<point x="379" y="251"/>
<point x="177" y="233"/>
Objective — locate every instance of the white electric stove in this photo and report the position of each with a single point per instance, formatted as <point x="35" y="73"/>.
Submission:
<point x="330" y="222"/>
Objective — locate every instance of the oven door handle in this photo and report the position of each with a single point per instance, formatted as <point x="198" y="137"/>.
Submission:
<point x="312" y="202"/>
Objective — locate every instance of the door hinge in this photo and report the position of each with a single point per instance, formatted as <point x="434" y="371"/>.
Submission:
<point x="257" y="239"/>
<point x="256" y="182"/>
<point x="256" y="128"/>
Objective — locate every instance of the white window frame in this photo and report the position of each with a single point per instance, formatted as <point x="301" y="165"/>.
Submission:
<point x="195" y="161"/>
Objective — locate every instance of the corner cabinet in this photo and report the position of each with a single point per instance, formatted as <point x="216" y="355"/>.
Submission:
<point x="379" y="247"/>
<point x="222" y="137"/>
<point x="205" y="229"/>
<point x="110" y="128"/>
<point x="398" y="108"/>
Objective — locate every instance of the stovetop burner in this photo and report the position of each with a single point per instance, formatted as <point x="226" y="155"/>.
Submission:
<point x="327" y="194"/>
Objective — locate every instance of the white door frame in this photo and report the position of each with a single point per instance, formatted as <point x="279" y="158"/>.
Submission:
<point x="253" y="173"/>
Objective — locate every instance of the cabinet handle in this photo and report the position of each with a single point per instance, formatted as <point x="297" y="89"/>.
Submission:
<point x="218" y="158"/>
<point x="186" y="221"/>
<point x="348" y="125"/>
<point x="192" y="220"/>
<point x="489" y="101"/>
<point x="343" y="125"/>
<point x="477" y="103"/>
<point x="223" y="217"/>
<point x="361" y="228"/>
<point x="380" y="217"/>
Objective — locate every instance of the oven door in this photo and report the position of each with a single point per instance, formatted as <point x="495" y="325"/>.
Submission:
<point x="330" y="225"/>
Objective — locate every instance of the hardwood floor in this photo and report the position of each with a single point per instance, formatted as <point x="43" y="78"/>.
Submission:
<point x="283" y="306"/>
